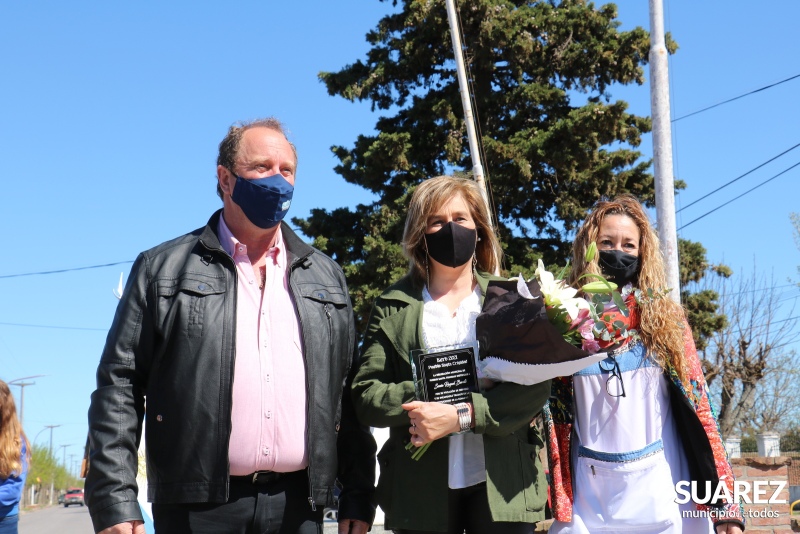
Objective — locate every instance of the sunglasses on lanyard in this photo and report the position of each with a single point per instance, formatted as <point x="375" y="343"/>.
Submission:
<point x="614" y="385"/>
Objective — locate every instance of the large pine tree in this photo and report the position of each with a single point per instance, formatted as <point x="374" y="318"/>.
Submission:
<point x="554" y="138"/>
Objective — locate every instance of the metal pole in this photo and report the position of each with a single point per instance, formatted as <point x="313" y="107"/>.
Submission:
<point x="463" y="88"/>
<point x="662" y="148"/>
<point x="469" y="119"/>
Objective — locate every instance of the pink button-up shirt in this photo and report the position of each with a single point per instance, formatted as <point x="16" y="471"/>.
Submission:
<point x="268" y="421"/>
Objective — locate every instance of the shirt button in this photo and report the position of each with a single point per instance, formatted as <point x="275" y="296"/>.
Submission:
<point x="241" y="249"/>
<point x="266" y="451"/>
<point x="251" y="281"/>
<point x="267" y="378"/>
<point x="269" y="415"/>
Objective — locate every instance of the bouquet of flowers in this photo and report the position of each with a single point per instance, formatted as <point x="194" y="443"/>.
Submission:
<point x="533" y="331"/>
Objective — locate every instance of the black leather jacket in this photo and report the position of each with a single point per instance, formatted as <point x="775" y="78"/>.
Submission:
<point x="173" y="342"/>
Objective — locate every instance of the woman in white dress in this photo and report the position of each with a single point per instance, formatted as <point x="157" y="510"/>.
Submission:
<point x="623" y="432"/>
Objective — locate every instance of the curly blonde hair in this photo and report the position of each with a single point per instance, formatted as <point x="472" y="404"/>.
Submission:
<point x="662" y="320"/>
<point x="11" y="436"/>
<point x="428" y="197"/>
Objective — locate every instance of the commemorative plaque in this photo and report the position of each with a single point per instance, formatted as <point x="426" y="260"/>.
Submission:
<point x="445" y="374"/>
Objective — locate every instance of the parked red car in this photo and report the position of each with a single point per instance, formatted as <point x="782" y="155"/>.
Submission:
<point x="73" y="496"/>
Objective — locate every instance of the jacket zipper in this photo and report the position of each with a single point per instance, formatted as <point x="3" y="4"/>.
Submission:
<point x="330" y="324"/>
<point x="295" y="264"/>
<point x="232" y="266"/>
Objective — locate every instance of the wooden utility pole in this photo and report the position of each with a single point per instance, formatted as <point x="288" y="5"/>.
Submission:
<point x="662" y="148"/>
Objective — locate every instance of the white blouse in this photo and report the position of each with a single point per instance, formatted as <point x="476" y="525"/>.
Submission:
<point x="441" y="328"/>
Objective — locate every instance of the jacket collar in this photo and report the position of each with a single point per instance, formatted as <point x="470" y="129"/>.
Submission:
<point x="404" y="328"/>
<point x="405" y="291"/>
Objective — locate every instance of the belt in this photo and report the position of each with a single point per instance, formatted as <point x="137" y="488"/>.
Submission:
<point x="259" y="478"/>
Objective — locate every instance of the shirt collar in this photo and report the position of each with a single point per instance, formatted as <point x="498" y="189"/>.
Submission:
<point x="236" y="249"/>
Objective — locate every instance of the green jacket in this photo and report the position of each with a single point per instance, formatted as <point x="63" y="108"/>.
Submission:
<point x="413" y="494"/>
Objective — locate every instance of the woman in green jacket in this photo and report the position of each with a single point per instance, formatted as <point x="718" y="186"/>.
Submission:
<point x="488" y="479"/>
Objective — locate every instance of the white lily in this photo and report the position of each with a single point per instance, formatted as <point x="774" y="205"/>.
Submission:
<point x="558" y="294"/>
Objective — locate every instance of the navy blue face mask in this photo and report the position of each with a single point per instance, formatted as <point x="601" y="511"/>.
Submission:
<point x="264" y="201"/>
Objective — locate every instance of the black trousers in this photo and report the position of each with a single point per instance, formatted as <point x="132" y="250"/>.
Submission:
<point x="278" y="507"/>
<point x="468" y="511"/>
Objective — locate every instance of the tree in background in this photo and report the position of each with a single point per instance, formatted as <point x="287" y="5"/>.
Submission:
<point x="45" y="473"/>
<point x="541" y="73"/>
<point x="554" y="138"/>
<point x="702" y="305"/>
<point x="750" y="371"/>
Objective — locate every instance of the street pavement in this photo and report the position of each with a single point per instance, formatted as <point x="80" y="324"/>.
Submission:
<point x="56" y="520"/>
<point x="76" y="520"/>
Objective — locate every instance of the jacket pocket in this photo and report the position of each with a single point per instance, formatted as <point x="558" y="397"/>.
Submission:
<point x="326" y="324"/>
<point x="185" y="299"/>
<point x="632" y="490"/>
<point x="533" y="479"/>
<point x="326" y="302"/>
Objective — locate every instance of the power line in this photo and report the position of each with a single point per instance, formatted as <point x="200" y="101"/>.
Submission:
<point x="737" y="178"/>
<point x="65" y="270"/>
<point x="731" y="294"/>
<point x="55" y="327"/>
<point x="740" y="196"/>
<point x="761" y="325"/>
<point x="83" y="268"/>
<point x="737" y="97"/>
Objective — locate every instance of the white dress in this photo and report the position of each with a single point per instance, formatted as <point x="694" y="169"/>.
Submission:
<point x="626" y="453"/>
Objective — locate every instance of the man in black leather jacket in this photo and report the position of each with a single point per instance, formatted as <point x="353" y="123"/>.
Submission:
<point x="173" y="344"/>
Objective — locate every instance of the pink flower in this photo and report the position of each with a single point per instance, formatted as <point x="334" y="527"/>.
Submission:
<point x="590" y="345"/>
<point x="584" y="324"/>
<point x="581" y="320"/>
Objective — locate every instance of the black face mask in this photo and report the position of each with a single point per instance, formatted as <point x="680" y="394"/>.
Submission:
<point x="453" y="245"/>
<point x="619" y="266"/>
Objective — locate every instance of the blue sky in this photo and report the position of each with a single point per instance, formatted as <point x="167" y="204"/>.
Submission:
<point x="111" y="114"/>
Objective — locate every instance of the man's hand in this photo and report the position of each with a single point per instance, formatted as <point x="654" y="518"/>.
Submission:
<point x="352" y="526"/>
<point x="130" y="527"/>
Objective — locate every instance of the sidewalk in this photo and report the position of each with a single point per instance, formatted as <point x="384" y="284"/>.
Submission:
<point x="330" y="527"/>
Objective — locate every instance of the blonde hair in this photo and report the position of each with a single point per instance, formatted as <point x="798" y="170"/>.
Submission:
<point x="428" y="197"/>
<point x="11" y="436"/>
<point x="662" y="322"/>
